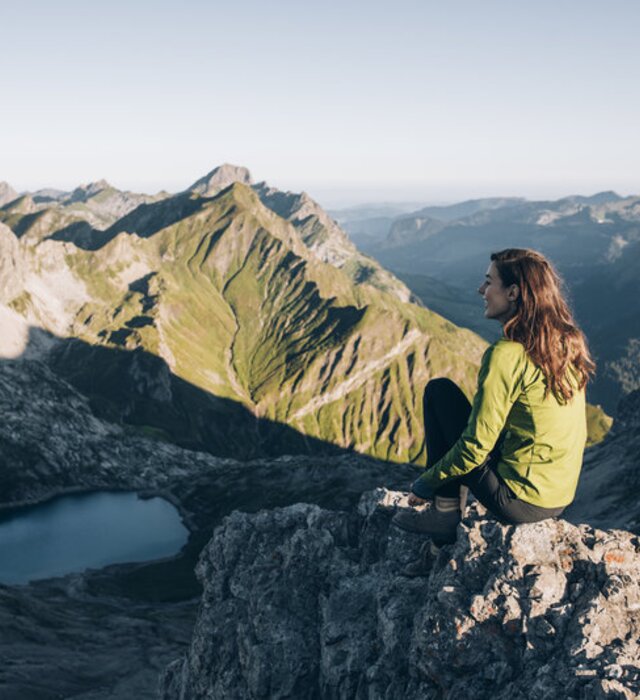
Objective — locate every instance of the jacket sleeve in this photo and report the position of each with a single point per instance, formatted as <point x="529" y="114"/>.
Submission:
<point x="499" y="384"/>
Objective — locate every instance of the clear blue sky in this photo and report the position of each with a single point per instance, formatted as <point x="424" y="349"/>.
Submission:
<point x="351" y="101"/>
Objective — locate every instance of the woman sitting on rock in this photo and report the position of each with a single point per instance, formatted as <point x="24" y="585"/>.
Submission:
<point x="519" y="447"/>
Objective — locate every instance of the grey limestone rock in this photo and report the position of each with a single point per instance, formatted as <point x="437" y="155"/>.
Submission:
<point x="219" y="178"/>
<point x="7" y="193"/>
<point x="302" y="602"/>
<point x="11" y="265"/>
<point x="609" y="484"/>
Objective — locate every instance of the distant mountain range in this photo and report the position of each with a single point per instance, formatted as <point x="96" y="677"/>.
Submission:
<point x="442" y="253"/>
<point x="231" y="317"/>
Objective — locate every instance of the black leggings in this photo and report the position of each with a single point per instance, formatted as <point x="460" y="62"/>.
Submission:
<point x="446" y="413"/>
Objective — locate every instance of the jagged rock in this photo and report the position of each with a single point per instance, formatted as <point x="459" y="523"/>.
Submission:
<point x="219" y="178"/>
<point x="305" y="602"/>
<point x="609" y="485"/>
<point x="7" y="193"/>
<point x="326" y="240"/>
<point x="11" y="265"/>
<point x="84" y="192"/>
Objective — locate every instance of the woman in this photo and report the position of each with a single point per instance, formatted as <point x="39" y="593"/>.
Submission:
<point x="519" y="447"/>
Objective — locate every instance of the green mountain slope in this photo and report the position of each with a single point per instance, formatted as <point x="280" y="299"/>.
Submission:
<point x="228" y="318"/>
<point x="238" y="306"/>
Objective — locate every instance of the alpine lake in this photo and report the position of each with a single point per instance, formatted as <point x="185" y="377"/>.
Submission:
<point x="73" y="533"/>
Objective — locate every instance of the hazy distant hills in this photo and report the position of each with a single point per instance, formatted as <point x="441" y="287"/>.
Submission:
<point x="593" y="241"/>
<point x="230" y="317"/>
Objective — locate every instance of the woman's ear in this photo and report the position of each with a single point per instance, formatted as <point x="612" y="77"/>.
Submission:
<point x="513" y="293"/>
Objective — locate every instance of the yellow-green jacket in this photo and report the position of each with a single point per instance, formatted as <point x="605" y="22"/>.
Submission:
<point x="541" y="440"/>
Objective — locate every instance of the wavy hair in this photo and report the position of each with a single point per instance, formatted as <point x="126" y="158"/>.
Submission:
<point x="543" y="322"/>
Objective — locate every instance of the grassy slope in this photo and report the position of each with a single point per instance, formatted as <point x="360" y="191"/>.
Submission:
<point x="598" y="425"/>
<point x="245" y="312"/>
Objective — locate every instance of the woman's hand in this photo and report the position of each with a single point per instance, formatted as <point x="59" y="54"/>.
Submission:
<point x="414" y="500"/>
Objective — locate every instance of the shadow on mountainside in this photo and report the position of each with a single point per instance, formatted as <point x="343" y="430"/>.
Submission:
<point x="83" y="235"/>
<point x="56" y="449"/>
<point x="137" y="389"/>
<point x="144" y="221"/>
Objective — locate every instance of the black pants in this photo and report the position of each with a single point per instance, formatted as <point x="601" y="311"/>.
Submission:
<point x="446" y="413"/>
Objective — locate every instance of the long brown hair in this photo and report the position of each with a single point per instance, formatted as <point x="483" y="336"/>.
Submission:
<point x="543" y="322"/>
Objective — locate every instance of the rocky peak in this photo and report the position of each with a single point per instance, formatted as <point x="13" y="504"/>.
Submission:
<point x="21" y="205"/>
<point x="607" y="494"/>
<point x="84" y="192"/>
<point x="220" y="178"/>
<point x="7" y="193"/>
<point x="306" y="602"/>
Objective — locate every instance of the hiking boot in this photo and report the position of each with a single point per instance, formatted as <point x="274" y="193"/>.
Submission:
<point x="440" y="526"/>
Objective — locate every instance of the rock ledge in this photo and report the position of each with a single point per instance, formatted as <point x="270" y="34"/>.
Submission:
<point x="305" y="602"/>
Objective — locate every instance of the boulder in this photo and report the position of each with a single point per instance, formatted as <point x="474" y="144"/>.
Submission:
<point x="306" y="602"/>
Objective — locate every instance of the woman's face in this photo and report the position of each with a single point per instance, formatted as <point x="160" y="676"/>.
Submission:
<point x="499" y="301"/>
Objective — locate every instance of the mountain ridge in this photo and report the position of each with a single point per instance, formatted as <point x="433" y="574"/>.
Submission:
<point x="245" y="304"/>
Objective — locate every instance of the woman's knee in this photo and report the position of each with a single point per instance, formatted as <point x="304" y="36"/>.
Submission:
<point x="440" y="386"/>
<point x="443" y="391"/>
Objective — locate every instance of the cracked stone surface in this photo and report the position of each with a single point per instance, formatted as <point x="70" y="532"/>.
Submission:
<point x="306" y="602"/>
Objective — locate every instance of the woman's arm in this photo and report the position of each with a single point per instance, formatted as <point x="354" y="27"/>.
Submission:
<point x="499" y="385"/>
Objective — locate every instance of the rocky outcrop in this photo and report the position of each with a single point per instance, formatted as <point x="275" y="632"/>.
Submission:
<point x="304" y="602"/>
<point x="608" y="490"/>
<point x="7" y="193"/>
<point x="220" y="178"/>
<point x="328" y="242"/>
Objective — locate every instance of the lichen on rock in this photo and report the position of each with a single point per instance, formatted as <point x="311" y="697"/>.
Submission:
<point x="305" y="602"/>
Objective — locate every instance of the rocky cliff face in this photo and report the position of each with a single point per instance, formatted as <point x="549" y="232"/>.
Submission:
<point x="220" y="178"/>
<point x="304" y="602"/>
<point x="610" y="481"/>
<point x="7" y="193"/>
<point x="322" y="235"/>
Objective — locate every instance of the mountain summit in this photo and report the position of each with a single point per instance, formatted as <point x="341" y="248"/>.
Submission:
<point x="7" y="193"/>
<point x="85" y="192"/>
<point x="220" y="178"/>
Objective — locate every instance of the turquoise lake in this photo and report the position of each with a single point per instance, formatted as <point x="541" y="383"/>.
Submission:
<point x="72" y="533"/>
